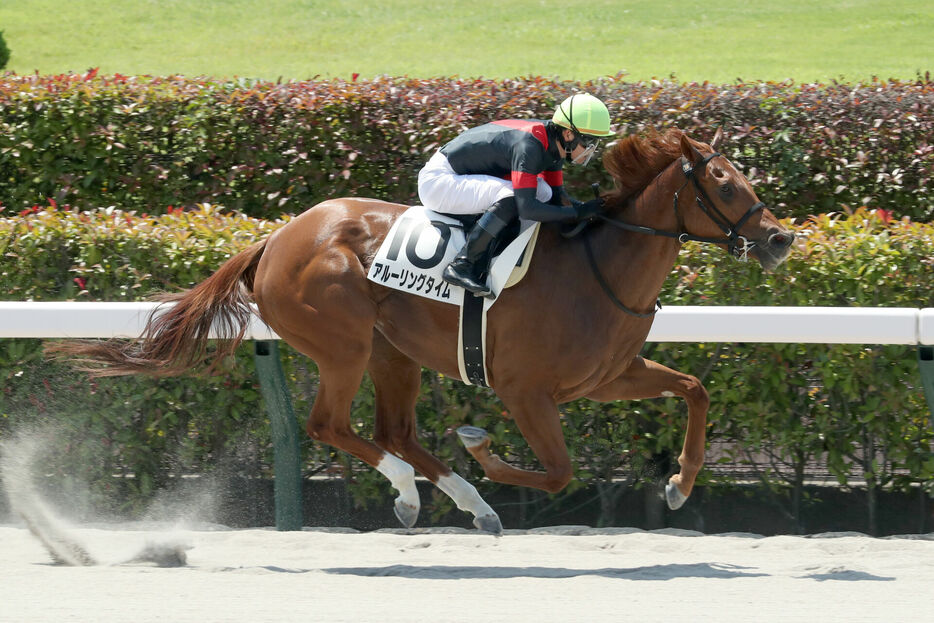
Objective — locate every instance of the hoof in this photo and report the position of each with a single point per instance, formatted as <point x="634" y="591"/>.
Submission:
<point x="675" y="498"/>
<point x="406" y="513"/>
<point x="489" y="523"/>
<point x="472" y="436"/>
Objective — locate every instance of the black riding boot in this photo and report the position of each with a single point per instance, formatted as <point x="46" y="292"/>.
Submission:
<point x="468" y="269"/>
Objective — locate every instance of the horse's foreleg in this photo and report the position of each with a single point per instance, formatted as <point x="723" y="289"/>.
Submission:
<point x="397" y="380"/>
<point x="647" y="379"/>
<point x="538" y="421"/>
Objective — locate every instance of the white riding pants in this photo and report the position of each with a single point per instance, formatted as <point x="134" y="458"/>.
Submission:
<point x="442" y="190"/>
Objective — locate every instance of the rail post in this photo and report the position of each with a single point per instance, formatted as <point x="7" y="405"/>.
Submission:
<point x="284" y="428"/>
<point x="926" y="363"/>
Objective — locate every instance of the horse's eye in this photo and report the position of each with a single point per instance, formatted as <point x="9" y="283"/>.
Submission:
<point x="726" y="190"/>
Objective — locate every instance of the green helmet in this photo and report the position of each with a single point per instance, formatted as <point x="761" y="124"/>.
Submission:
<point x="584" y="113"/>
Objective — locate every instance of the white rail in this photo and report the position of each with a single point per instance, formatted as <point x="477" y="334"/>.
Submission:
<point x="814" y="325"/>
<point x="88" y="320"/>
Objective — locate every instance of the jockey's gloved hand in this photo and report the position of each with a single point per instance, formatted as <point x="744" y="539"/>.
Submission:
<point x="589" y="209"/>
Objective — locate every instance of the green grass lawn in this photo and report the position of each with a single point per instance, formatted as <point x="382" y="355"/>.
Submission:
<point x="716" y="40"/>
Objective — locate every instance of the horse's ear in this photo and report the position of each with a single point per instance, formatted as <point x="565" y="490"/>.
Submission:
<point x="717" y="138"/>
<point x="689" y="151"/>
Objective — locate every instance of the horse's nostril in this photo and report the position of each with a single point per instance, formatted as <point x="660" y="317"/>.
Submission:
<point x="781" y="240"/>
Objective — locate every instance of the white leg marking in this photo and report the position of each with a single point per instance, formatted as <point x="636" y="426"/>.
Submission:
<point x="464" y="495"/>
<point x="402" y="477"/>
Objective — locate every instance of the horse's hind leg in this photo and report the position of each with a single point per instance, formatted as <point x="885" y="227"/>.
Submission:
<point x="397" y="380"/>
<point x="329" y="422"/>
<point x="647" y="379"/>
<point x="340" y="373"/>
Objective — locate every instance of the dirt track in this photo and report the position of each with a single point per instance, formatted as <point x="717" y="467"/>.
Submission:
<point x="559" y="574"/>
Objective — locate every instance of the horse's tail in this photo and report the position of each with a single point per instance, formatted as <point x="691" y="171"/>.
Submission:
<point x="175" y="337"/>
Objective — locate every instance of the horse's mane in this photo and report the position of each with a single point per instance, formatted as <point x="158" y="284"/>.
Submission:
<point x="636" y="160"/>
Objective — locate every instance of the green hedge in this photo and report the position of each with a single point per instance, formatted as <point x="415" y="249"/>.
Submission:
<point x="265" y="148"/>
<point x="857" y="412"/>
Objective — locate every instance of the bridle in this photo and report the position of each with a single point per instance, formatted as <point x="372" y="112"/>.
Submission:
<point x="714" y="213"/>
<point x="737" y="245"/>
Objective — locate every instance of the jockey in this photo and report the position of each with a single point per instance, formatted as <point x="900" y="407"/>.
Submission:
<point x="510" y="169"/>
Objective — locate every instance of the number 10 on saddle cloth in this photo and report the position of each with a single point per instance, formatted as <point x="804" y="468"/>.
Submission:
<point x="422" y="242"/>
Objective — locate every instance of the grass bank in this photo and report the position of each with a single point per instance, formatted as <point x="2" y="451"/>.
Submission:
<point x="571" y="39"/>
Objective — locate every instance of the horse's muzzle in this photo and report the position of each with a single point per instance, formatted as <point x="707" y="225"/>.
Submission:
<point x="775" y="248"/>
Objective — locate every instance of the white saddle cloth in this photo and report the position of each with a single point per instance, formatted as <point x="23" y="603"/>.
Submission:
<point x="421" y="243"/>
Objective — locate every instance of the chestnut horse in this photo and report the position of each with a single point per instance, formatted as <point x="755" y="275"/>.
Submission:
<point x="571" y="329"/>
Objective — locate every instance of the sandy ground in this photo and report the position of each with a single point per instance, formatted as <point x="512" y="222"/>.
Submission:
<point x="555" y="574"/>
<point x="565" y="574"/>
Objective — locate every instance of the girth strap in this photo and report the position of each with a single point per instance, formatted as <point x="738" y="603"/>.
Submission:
<point x="472" y="340"/>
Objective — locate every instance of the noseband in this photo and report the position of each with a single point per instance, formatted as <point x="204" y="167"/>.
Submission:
<point x="736" y="244"/>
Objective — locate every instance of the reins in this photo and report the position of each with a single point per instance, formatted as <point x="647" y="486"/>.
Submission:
<point x="713" y="213"/>
<point x="609" y="291"/>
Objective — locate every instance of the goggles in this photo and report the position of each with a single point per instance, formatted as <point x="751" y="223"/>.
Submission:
<point x="587" y="140"/>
